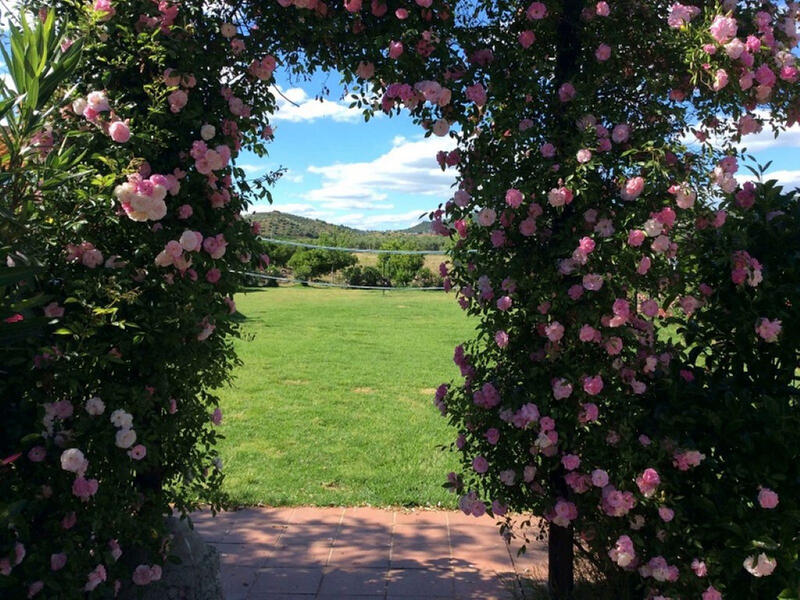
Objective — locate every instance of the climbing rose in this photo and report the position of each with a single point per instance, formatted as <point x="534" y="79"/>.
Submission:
<point x="761" y="566"/>
<point x="767" y="498"/>
<point x="119" y="131"/>
<point x="623" y="553"/>
<point x="768" y="330"/>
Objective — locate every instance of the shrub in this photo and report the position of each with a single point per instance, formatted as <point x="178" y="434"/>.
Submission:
<point x="370" y="276"/>
<point x="427" y="278"/>
<point x="311" y="263"/>
<point x="400" y="268"/>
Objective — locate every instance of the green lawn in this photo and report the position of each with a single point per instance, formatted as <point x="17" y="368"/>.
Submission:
<point x="334" y="402"/>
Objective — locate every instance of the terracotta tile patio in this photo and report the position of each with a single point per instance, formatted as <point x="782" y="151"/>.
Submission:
<point x="365" y="553"/>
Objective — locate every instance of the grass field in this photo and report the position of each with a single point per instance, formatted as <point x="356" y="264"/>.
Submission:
<point x="334" y="402"/>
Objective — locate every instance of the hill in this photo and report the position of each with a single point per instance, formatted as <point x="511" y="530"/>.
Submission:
<point x="286" y="226"/>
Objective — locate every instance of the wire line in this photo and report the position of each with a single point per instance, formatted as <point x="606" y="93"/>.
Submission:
<point x="341" y="286"/>
<point x="355" y="250"/>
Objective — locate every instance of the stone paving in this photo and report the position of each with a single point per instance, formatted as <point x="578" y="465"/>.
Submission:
<point x="365" y="554"/>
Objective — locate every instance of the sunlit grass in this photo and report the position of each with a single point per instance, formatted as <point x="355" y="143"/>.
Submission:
<point x="334" y="402"/>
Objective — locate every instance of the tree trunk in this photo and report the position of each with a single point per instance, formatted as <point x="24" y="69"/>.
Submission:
<point x="560" y="550"/>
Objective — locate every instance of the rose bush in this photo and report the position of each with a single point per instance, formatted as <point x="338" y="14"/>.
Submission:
<point x="596" y="203"/>
<point x="120" y="190"/>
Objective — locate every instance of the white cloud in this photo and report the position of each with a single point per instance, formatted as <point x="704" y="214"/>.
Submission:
<point x="788" y="179"/>
<point x="295" y="208"/>
<point x="296" y="106"/>
<point x="380" y="221"/>
<point x="756" y="142"/>
<point x="293" y="177"/>
<point x="251" y="168"/>
<point x="766" y="140"/>
<point x="408" y="168"/>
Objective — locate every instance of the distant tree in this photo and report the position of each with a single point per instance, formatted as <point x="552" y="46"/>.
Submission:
<point x="359" y="275"/>
<point x="312" y="262"/>
<point x="427" y="278"/>
<point x="400" y="268"/>
<point x="279" y="254"/>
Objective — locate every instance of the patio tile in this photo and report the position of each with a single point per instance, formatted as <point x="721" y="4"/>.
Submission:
<point x="236" y="582"/>
<point x="316" y="515"/>
<point x="284" y="581"/>
<point x="420" y="547"/>
<point x="354" y="555"/>
<point x="369" y="515"/>
<point x="420" y="583"/>
<point x="365" y="553"/>
<point x="421" y="517"/>
<point x="471" y="584"/>
<point x="480" y="547"/>
<point x="338" y="582"/>
<point x="244" y="555"/>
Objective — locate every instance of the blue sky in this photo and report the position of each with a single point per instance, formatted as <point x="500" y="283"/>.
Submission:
<point x="377" y="175"/>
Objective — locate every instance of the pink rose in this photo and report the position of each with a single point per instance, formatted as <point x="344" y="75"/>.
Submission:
<point x="526" y="38"/>
<point x="723" y="29"/>
<point x="57" y="561"/>
<point x="119" y="132"/>
<point x="768" y="330"/>
<point x="711" y="594"/>
<point x="599" y="478"/>
<point x="395" y="49"/>
<point x="514" y="198"/>
<point x="603" y="52"/>
<point x="53" y="311"/>
<point x="632" y="189"/>
<point x="767" y="498"/>
<point x="536" y="11"/>
<point x="84" y="488"/>
<point x="480" y="464"/>
<point x="593" y="385"/>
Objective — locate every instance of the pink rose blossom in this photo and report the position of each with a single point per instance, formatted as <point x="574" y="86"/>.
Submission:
<point x="767" y="498"/>
<point x="768" y="330"/>
<point x="593" y="385"/>
<point x="119" y="132"/>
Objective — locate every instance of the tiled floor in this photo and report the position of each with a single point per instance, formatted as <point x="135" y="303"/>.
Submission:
<point x="364" y="553"/>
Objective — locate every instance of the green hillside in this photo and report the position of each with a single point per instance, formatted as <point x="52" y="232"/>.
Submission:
<point x="287" y="226"/>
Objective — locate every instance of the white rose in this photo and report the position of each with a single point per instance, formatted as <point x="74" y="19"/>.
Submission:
<point x="122" y="419"/>
<point x="79" y="106"/>
<point x="761" y="567"/>
<point x="73" y="460"/>
<point x="228" y="30"/>
<point x="95" y="406"/>
<point x="125" y="438"/>
<point x="653" y="228"/>
<point x="207" y="132"/>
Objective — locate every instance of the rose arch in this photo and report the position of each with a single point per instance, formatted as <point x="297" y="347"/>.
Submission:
<point x="633" y="383"/>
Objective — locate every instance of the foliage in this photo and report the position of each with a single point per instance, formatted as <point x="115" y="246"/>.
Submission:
<point x="400" y="268"/>
<point x="358" y="275"/>
<point x="309" y="263"/>
<point x="279" y="254"/>
<point x="427" y="278"/>
<point x="109" y="350"/>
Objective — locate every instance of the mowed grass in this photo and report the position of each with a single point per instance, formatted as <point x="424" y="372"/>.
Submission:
<point x="333" y="405"/>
